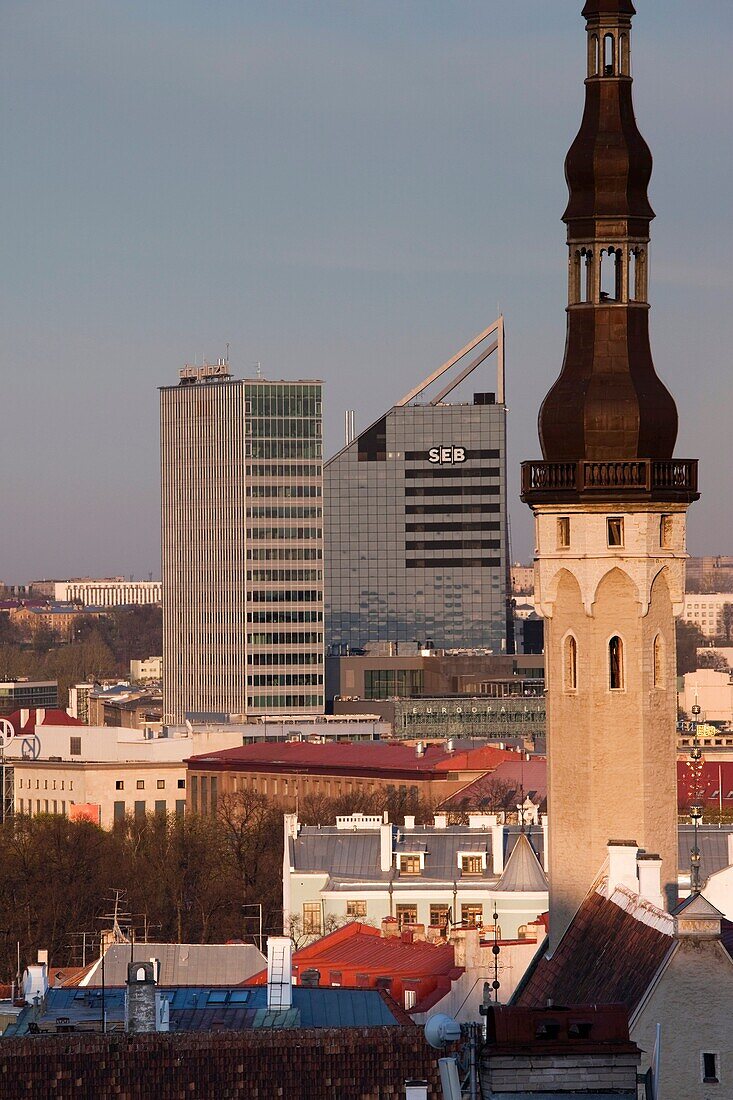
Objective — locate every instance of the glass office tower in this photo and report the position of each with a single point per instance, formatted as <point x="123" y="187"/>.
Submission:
<point x="416" y="526"/>
<point x="242" y="546"/>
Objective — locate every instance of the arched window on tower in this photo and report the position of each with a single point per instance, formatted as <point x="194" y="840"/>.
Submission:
<point x="576" y="262"/>
<point x="587" y="278"/>
<point x="611" y="284"/>
<point x="616" y="664"/>
<point x="658" y="661"/>
<point x="593" y="55"/>
<point x="623" y="55"/>
<point x="609" y="51"/>
<point x="570" y="670"/>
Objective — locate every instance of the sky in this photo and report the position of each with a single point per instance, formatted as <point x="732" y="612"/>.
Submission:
<point x="340" y="189"/>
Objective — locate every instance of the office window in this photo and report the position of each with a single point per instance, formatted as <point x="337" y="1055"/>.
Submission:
<point x="139" y="810"/>
<point x="75" y="746"/>
<point x="439" y="915"/>
<point x="160" y="784"/>
<point x="406" y="914"/>
<point x="195" y="793"/>
<point x="356" y="908"/>
<point x="472" y="865"/>
<point x="311" y="918"/>
<point x="119" y="785"/>
<point x="160" y="806"/>
<point x="615" y="531"/>
<point x="563" y="532"/>
<point x="409" y="865"/>
<point x="180" y="807"/>
<point x="472" y="915"/>
<point x="140" y="784"/>
<point x="181" y="784"/>
<point x="119" y="811"/>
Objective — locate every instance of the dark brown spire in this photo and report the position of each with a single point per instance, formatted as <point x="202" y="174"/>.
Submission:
<point x="608" y="403"/>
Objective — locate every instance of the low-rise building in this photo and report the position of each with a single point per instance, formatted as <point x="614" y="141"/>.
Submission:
<point x="150" y="668"/>
<point x="59" y="618"/>
<point x="122" y="704"/>
<point x="712" y="691"/>
<point x="301" y="727"/>
<point x="298" y="769"/>
<point x="28" y="694"/>
<point x="711" y="612"/>
<point x="106" y="592"/>
<point x="439" y="875"/>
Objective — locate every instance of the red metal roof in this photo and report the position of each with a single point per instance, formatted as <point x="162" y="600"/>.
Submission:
<point x="708" y="789"/>
<point x="352" y="758"/>
<point x="51" y="717"/>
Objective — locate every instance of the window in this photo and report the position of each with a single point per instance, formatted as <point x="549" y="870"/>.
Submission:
<point x="608" y="55"/>
<point x="181" y="784"/>
<point x="563" y="532"/>
<point x="311" y="918"/>
<point x="616" y="664"/>
<point x="410" y="999"/>
<point x="570" y="671"/>
<point x="615" y="531"/>
<point x="356" y="909"/>
<point x="710" y="1068"/>
<point x="140" y="784"/>
<point x="139" y="810"/>
<point x="409" y="865"/>
<point x="406" y="914"/>
<point x="666" y="531"/>
<point x="119" y="811"/>
<point x="658" y="661"/>
<point x="439" y="916"/>
<point x="119" y="785"/>
<point x="472" y="915"/>
<point x="180" y="807"/>
<point x="472" y="865"/>
<point x="75" y="746"/>
<point x="160" y="806"/>
<point x="335" y="977"/>
<point x="160" y="784"/>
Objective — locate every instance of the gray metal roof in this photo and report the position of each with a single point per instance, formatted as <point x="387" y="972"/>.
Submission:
<point x="523" y="871"/>
<point x="183" y="963"/>
<point x="713" y="844"/>
<point x="348" y="856"/>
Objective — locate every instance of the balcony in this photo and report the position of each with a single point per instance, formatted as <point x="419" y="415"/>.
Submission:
<point x="673" y="480"/>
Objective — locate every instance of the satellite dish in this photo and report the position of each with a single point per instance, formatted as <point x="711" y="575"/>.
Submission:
<point x="440" y="1030"/>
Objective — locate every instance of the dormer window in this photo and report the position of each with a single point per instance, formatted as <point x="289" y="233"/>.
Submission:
<point x="472" y="863"/>
<point x="410" y="864"/>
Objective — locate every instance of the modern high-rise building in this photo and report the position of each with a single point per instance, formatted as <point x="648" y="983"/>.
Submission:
<point x="416" y="519"/>
<point x="610" y="502"/>
<point x="242" y="545"/>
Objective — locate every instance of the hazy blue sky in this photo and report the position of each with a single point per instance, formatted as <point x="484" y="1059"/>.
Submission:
<point x="343" y="190"/>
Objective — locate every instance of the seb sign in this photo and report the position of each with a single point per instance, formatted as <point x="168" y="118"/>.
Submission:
<point x="447" y="456"/>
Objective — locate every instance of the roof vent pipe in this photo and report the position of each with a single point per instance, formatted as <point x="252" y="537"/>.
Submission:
<point x="420" y="748"/>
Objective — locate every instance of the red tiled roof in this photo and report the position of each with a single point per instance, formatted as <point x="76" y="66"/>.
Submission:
<point x="515" y="773"/>
<point x="51" y="717"/>
<point x="709" y="785"/>
<point x="609" y="955"/>
<point x="352" y="758"/>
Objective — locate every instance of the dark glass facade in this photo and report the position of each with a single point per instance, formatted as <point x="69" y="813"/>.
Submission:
<point x="415" y="530"/>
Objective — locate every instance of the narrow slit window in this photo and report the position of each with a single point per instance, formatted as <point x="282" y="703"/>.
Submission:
<point x="710" y="1068"/>
<point x="616" y="664"/>
<point x="587" y="275"/>
<point x="615" y="531"/>
<point x="608" y="55"/>
<point x="563" y="532"/>
<point x="571" y="664"/>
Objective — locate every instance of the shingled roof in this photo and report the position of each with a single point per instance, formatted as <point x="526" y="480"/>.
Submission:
<point x="609" y="954"/>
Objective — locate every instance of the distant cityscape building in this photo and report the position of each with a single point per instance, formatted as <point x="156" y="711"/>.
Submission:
<point x="150" y="668"/>
<point x="710" y="574"/>
<point x="242" y="543"/>
<point x="28" y="695"/>
<point x="522" y="579"/>
<point x="416" y="521"/>
<point x="59" y="619"/>
<point x="107" y="592"/>
<point x="708" y="613"/>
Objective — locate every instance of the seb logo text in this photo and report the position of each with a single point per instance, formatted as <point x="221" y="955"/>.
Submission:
<point x="447" y="456"/>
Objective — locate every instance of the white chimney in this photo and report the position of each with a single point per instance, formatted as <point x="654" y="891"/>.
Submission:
<point x="450" y="745"/>
<point x="497" y="844"/>
<point x="409" y="821"/>
<point x="420" y="748"/>
<point x="385" y="847"/>
<point x="441" y="821"/>
<point x="279" y="973"/>
<point x="649" y="869"/>
<point x="40" y="716"/>
<point x="545" y="844"/>
<point x="292" y="825"/>
<point x="416" y="1090"/>
<point x="622" y="865"/>
<point x="24" y="716"/>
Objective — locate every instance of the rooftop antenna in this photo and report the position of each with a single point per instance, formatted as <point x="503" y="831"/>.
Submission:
<point x="227" y="353"/>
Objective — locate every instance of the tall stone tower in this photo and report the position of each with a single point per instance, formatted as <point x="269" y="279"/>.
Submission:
<point x="609" y="501"/>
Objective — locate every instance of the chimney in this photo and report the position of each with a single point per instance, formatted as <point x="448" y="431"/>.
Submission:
<point x="441" y="822"/>
<point x="390" y="927"/>
<point x="292" y="825"/>
<point x="35" y="983"/>
<point x="409" y="821"/>
<point x="450" y="745"/>
<point x="420" y="748"/>
<point x="622" y="865"/>
<point x="385" y="847"/>
<point x="43" y="956"/>
<point x="416" y="1090"/>
<point x="497" y="844"/>
<point x="24" y="716"/>
<point x="279" y="973"/>
<point x="40" y="716"/>
<point x="649" y="870"/>
<point x="466" y="947"/>
<point x="545" y="844"/>
<point x="140" y="1008"/>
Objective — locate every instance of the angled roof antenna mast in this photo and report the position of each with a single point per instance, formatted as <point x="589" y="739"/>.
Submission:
<point x="496" y="345"/>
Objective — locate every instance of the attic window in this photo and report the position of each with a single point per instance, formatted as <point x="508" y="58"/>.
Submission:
<point x="472" y="864"/>
<point x="410" y="865"/>
<point x="548" y="1030"/>
<point x="709" y="1069"/>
